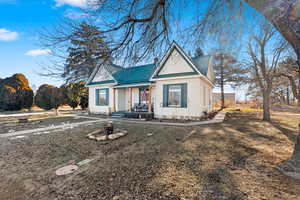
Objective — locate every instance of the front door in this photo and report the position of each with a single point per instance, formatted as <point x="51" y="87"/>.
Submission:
<point x="144" y="96"/>
<point x="121" y="100"/>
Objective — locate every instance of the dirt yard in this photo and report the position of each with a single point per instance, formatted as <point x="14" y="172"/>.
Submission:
<point x="234" y="160"/>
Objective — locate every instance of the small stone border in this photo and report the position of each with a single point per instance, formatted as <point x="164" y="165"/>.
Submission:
<point x="219" y="118"/>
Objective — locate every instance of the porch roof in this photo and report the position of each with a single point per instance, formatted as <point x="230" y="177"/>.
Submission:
<point x="134" y="85"/>
<point x="135" y="75"/>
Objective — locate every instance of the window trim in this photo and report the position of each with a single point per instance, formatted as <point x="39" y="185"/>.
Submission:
<point x="181" y="95"/>
<point x="98" y="90"/>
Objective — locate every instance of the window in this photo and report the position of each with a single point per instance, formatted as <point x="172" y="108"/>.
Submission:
<point x="174" y="99"/>
<point x="175" y="95"/>
<point x="102" y="97"/>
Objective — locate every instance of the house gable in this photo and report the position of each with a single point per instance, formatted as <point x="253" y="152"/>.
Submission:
<point x="175" y="63"/>
<point x="101" y="76"/>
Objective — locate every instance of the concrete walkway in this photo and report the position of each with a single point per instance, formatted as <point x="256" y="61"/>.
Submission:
<point x="63" y="126"/>
<point x="219" y="118"/>
<point x="40" y="113"/>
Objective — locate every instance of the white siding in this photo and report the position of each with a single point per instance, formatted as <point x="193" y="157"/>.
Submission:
<point x="102" y="75"/>
<point x="175" y="64"/>
<point x="93" y="108"/>
<point x="195" y="100"/>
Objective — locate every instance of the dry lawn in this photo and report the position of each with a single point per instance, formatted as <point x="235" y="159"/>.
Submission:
<point x="233" y="160"/>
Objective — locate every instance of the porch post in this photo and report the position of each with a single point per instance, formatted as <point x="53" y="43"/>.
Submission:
<point x="114" y="100"/>
<point x="130" y="101"/>
<point x="150" y="101"/>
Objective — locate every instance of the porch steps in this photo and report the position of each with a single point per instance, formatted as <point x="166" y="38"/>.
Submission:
<point x="118" y="115"/>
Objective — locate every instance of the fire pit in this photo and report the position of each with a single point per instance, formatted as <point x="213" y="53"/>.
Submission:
<point x="108" y="128"/>
<point x="23" y="120"/>
<point x="107" y="133"/>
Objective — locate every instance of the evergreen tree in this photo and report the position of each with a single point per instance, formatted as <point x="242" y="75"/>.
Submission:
<point x="228" y="71"/>
<point x="73" y="93"/>
<point x="198" y="52"/>
<point x="88" y="48"/>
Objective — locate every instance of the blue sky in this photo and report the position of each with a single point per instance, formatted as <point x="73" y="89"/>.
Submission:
<point x="20" y="23"/>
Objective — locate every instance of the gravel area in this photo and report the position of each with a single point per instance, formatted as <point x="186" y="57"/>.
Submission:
<point x="233" y="160"/>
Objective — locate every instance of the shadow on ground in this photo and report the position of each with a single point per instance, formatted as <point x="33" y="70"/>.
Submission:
<point x="233" y="160"/>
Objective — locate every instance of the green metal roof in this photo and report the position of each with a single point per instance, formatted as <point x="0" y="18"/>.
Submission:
<point x="136" y="74"/>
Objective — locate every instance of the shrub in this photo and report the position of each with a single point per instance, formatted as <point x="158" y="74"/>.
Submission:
<point x="84" y="101"/>
<point x="75" y="94"/>
<point x="15" y="93"/>
<point x="49" y="97"/>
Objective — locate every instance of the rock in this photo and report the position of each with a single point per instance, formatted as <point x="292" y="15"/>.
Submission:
<point x="102" y="138"/>
<point x="115" y="135"/>
<point x="116" y="198"/>
<point x="92" y="137"/>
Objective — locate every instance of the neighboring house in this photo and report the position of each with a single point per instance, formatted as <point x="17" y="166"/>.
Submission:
<point x="228" y="96"/>
<point x="177" y="86"/>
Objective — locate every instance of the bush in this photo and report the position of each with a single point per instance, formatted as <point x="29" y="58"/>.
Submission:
<point x="84" y="101"/>
<point x="49" y="97"/>
<point x="15" y="93"/>
<point x="75" y="94"/>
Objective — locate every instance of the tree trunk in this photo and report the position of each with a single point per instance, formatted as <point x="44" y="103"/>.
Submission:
<point x="288" y="94"/>
<point x="297" y="145"/>
<point x="56" y="111"/>
<point x="298" y="92"/>
<point x="222" y="86"/>
<point x="266" y="106"/>
<point x="291" y="167"/>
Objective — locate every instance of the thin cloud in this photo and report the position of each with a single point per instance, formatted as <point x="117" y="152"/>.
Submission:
<point x="75" y="3"/>
<point x="38" y="52"/>
<point x="72" y="14"/>
<point x="7" y="35"/>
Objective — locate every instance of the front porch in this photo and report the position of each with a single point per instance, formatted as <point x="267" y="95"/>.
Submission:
<point x="133" y="101"/>
<point x="133" y="114"/>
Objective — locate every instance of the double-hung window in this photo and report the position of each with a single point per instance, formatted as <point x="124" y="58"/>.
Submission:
<point x="174" y="99"/>
<point x="175" y="95"/>
<point x="102" y="97"/>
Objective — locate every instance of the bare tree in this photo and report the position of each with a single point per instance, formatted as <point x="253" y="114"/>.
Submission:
<point x="264" y="66"/>
<point x="143" y="26"/>
<point x="290" y="69"/>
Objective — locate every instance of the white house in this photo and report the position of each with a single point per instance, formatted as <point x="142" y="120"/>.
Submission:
<point x="177" y="86"/>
